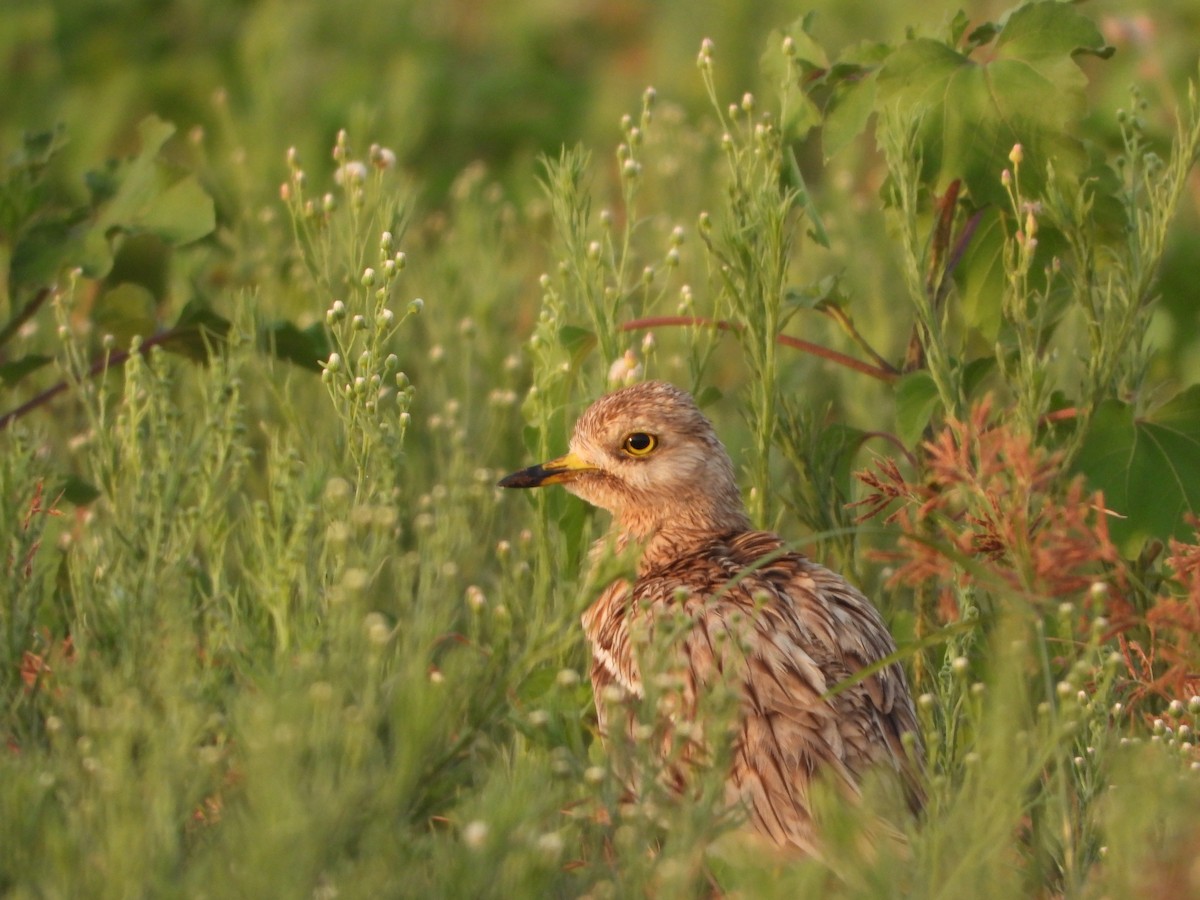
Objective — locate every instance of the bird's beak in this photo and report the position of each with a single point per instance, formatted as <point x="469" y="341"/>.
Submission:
<point x="565" y="468"/>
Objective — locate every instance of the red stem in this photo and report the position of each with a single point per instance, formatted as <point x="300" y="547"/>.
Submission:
<point x="1060" y="415"/>
<point x="116" y="358"/>
<point x="834" y="356"/>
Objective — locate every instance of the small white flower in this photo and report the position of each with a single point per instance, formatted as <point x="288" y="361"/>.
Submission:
<point x="476" y="598"/>
<point x="625" y="370"/>
<point x="551" y="844"/>
<point x="351" y="173"/>
<point x="382" y="157"/>
<point x="475" y="834"/>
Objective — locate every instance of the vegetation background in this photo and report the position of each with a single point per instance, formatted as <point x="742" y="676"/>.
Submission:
<point x="288" y="286"/>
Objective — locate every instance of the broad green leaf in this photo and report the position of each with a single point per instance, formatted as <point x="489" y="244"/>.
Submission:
<point x="306" y="347"/>
<point x="1048" y="36"/>
<point x="125" y="311"/>
<point x="138" y="182"/>
<point x="180" y="214"/>
<point x="916" y="400"/>
<point x="808" y="57"/>
<point x="1148" y="468"/>
<point x="847" y="116"/>
<point x="43" y="250"/>
<point x="980" y="276"/>
<point x="146" y="196"/>
<point x="11" y="373"/>
<point x="851" y="85"/>
<point x="975" y="373"/>
<point x="1029" y="92"/>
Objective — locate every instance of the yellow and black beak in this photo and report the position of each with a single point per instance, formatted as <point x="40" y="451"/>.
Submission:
<point x="556" y="471"/>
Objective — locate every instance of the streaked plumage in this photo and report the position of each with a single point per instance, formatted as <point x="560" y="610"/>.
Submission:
<point x="783" y="627"/>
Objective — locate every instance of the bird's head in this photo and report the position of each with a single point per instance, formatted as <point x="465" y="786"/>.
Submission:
<point x="649" y="456"/>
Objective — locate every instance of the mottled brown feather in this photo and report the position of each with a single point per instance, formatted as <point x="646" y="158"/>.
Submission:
<point x="767" y="619"/>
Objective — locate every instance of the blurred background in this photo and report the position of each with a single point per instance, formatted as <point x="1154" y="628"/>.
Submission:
<point x="448" y="82"/>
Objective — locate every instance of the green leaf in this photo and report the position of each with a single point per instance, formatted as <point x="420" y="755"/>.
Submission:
<point x="43" y="250"/>
<point x="78" y="492"/>
<point x="1148" y="468"/>
<point x="305" y="347"/>
<point x="980" y="276"/>
<point x="11" y="373"/>
<point x="801" y="116"/>
<point x="180" y="214"/>
<point x="125" y="311"/>
<point x="846" y="116"/>
<point x="976" y="372"/>
<point x="1030" y="92"/>
<point x="146" y="196"/>
<point x="1048" y="36"/>
<point x="916" y="400"/>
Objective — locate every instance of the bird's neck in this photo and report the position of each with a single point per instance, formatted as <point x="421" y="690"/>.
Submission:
<point x="666" y="540"/>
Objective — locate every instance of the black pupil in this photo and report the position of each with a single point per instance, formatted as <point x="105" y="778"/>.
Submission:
<point x="638" y="441"/>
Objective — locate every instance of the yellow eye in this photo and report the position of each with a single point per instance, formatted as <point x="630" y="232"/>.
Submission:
<point x="639" y="443"/>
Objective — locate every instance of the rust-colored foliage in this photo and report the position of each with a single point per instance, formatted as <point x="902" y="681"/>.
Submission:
<point x="38" y="663"/>
<point x="991" y="508"/>
<point x="1164" y="659"/>
<point x="37" y="669"/>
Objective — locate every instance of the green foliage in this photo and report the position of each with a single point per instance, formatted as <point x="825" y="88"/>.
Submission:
<point x="1147" y="466"/>
<point x="266" y="625"/>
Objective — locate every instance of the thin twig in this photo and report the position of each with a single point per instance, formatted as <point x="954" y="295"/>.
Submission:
<point x="838" y="314"/>
<point x="834" y="356"/>
<point x="14" y="324"/>
<point x="1059" y="415"/>
<point x="895" y="442"/>
<point x="100" y="366"/>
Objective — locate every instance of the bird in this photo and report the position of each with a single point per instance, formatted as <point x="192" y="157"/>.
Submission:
<point x="758" y="616"/>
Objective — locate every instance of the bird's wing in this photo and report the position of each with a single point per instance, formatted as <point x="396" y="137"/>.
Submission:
<point x="793" y="631"/>
<point x="606" y="624"/>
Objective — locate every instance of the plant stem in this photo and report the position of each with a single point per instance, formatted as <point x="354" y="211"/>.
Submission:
<point x="835" y="356"/>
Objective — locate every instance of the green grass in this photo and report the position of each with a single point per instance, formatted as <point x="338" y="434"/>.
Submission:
<point x="267" y="626"/>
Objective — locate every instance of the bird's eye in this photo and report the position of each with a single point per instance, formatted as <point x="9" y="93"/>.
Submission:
<point x="639" y="443"/>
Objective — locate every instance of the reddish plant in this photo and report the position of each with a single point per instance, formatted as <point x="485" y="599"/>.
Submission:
<point x="1165" y="662"/>
<point x="991" y="507"/>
